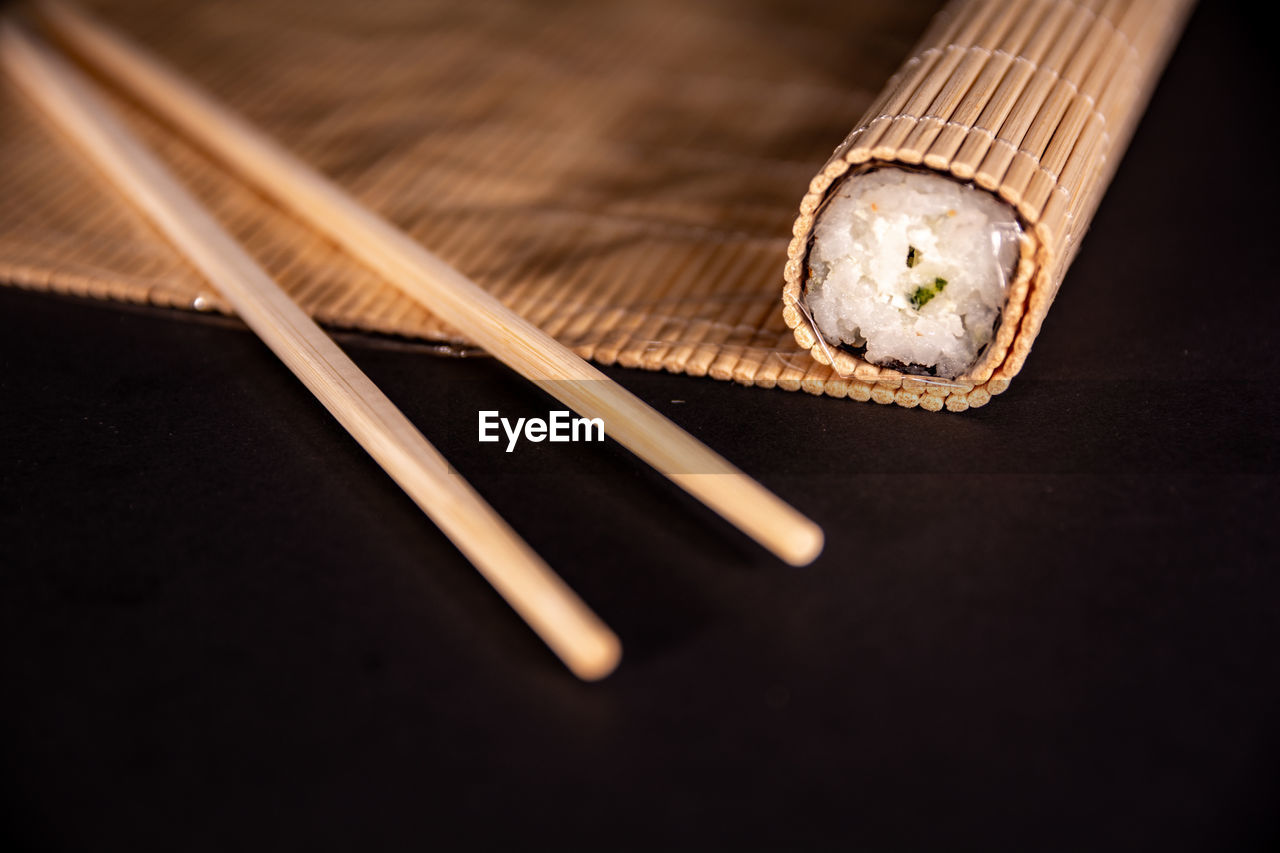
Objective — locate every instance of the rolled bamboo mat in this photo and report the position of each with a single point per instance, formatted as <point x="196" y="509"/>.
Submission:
<point x="1033" y="100"/>
<point x="622" y="174"/>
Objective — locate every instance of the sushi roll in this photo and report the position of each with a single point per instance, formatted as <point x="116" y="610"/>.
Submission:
<point x="910" y="270"/>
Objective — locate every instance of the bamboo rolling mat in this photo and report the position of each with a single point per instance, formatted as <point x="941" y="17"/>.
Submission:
<point x="1033" y="100"/>
<point x="624" y="175"/>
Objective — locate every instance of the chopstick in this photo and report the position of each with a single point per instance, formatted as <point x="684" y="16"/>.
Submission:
<point x="572" y="631"/>
<point x="444" y="291"/>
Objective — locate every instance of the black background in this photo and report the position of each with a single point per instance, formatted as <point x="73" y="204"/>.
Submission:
<point x="1051" y="623"/>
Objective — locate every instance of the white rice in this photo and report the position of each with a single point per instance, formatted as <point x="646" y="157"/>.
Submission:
<point x="935" y="315"/>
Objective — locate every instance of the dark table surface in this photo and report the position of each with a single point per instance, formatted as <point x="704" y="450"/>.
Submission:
<point x="1051" y="623"/>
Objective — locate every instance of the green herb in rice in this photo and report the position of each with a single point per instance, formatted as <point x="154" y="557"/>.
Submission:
<point x="921" y="296"/>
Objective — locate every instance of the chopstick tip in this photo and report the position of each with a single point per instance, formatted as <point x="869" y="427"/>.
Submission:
<point x="599" y="660"/>
<point x="805" y="546"/>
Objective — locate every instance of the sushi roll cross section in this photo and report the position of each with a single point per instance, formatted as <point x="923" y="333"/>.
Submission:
<point x="911" y="270"/>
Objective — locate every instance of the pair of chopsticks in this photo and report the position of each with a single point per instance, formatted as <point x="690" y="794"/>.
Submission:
<point x="568" y="627"/>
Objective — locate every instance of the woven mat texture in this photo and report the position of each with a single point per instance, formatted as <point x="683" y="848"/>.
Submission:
<point x="624" y="174"/>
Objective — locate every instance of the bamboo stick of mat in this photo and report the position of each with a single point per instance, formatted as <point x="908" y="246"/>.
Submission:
<point x="444" y="291"/>
<point x="572" y="631"/>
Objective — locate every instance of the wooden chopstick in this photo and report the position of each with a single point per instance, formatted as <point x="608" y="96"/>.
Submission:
<point x="439" y="287"/>
<point x="572" y="631"/>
